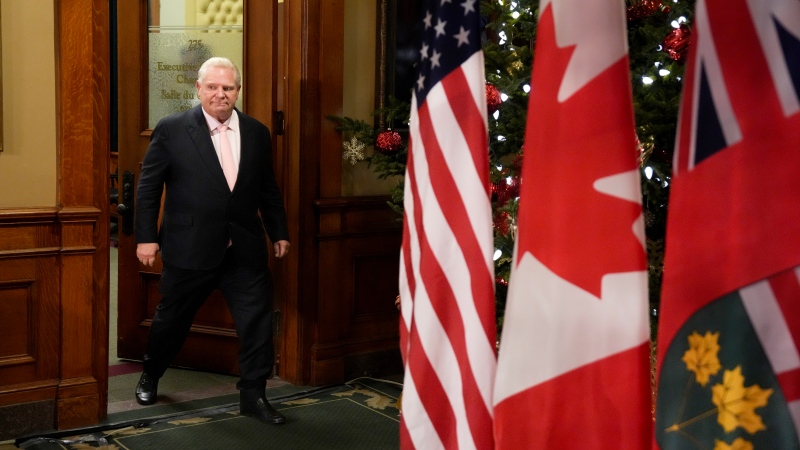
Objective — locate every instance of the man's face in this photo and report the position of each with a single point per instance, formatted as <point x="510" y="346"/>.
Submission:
<point x="218" y="92"/>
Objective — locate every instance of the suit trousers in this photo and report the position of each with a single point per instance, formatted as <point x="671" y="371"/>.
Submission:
<point x="248" y="292"/>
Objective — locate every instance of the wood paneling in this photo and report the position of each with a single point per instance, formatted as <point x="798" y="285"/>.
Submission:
<point x="29" y="305"/>
<point x="359" y="252"/>
<point x="339" y="281"/>
<point x="46" y="284"/>
<point x="54" y="261"/>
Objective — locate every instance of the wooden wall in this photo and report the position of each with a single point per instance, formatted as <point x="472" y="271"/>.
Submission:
<point x="54" y="261"/>
<point x="339" y="319"/>
<point x="358" y="241"/>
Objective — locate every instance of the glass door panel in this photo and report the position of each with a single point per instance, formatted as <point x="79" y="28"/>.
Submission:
<point x="182" y="34"/>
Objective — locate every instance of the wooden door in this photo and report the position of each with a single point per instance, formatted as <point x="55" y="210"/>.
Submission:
<point x="213" y="331"/>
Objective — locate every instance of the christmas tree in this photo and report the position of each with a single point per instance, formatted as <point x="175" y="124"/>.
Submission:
<point x="658" y="34"/>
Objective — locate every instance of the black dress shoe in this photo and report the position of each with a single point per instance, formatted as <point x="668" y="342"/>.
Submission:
<point x="147" y="389"/>
<point x="261" y="409"/>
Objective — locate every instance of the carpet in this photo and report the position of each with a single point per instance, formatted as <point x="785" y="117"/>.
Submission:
<point x="362" y="414"/>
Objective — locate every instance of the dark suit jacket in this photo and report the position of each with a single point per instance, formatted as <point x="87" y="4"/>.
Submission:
<point x="201" y="214"/>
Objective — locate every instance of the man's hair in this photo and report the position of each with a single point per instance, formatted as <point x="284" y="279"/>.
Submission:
<point x="218" y="61"/>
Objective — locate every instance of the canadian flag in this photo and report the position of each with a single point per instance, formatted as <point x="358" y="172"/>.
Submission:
<point x="573" y="368"/>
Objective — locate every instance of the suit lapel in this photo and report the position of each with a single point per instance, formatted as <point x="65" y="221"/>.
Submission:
<point x="248" y="151"/>
<point x="198" y="131"/>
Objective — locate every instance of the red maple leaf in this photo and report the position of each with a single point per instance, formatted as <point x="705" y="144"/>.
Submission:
<point x="577" y="232"/>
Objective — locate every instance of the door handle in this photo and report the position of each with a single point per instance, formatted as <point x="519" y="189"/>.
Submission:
<point x="125" y="207"/>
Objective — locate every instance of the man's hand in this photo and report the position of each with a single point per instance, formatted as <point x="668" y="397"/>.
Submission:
<point x="147" y="253"/>
<point x="281" y="248"/>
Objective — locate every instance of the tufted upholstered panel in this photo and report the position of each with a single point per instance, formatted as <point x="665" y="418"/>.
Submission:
<point x="216" y="13"/>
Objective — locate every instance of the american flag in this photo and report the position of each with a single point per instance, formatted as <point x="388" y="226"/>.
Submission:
<point x="447" y="274"/>
<point x="731" y="288"/>
<point x="573" y="370"/>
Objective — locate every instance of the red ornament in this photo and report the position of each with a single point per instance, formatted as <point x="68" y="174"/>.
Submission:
<point x="505" y="190"/>
<point x="493" y="191"/>
<point x="388" y="142"/>
<point x="676" y="43"/>
<point x="642" y="8"/>
<point x="501" y="222"/>
<point x="493" y="99"/>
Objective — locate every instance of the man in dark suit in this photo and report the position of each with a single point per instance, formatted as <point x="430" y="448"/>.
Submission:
<point x="220" y="204"/>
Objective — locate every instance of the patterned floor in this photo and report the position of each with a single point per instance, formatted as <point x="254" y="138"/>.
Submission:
<point x="363" y="414"/>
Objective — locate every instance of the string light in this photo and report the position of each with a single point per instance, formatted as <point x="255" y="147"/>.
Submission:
<point x="677" y="23"/>
<point x="647" y="80"/>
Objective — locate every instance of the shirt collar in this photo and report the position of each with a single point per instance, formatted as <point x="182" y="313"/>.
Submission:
<point x="232" y="122"/>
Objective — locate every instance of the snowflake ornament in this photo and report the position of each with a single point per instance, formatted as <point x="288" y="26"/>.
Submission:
<point x="353" y="151"/>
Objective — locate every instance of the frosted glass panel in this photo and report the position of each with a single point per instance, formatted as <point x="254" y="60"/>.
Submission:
<point x="182" y="35"/>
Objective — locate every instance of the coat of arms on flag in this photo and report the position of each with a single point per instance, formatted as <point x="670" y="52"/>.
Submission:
<point x="717" y="383"/>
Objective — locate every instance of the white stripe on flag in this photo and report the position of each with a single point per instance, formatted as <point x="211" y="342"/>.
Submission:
<point x="794" y="410"/>
<point x="708" y="62"/>
<point x="406" y="296"/>
<point x="416" y="417"/>
<point x="773" y="332"/>
<point x="765" y="14"/>
<point x="473" y="69"/>
<point x="770" y="325"/>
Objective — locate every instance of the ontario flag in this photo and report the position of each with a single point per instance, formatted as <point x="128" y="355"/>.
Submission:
<point x="573" y="369"/>
<point x="447" y="329"/>
<point x="729" y="332"/>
